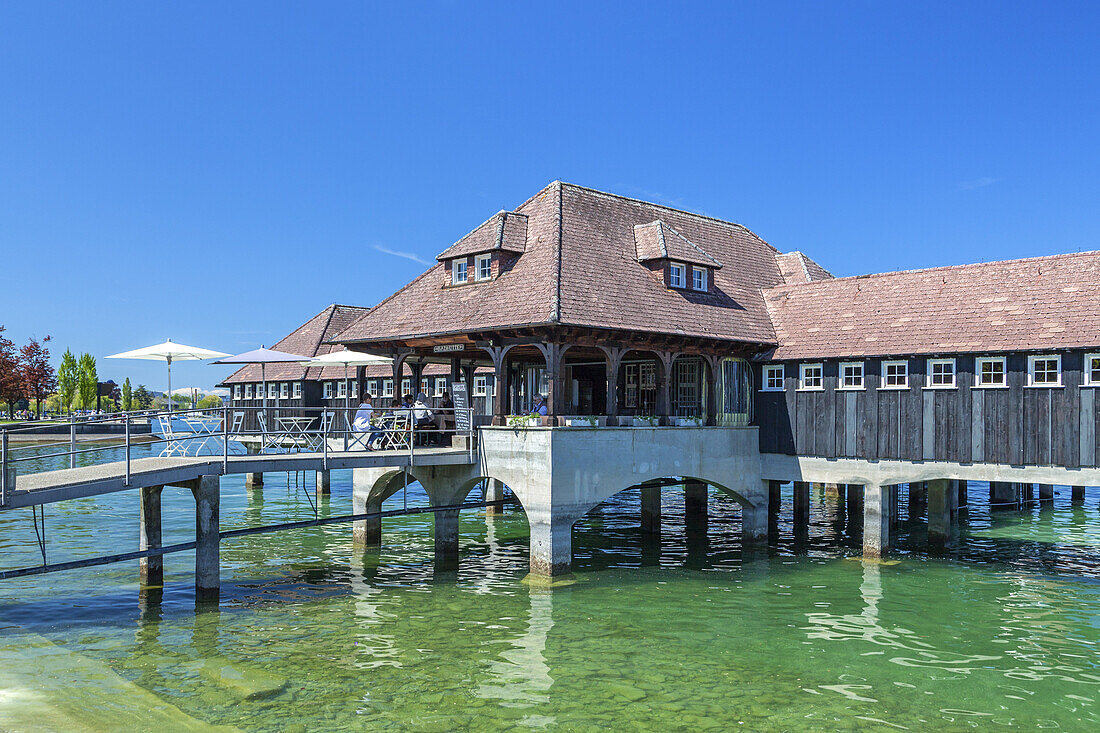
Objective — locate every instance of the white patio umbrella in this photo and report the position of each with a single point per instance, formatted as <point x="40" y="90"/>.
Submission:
<point x="347" y="358"/>
<point x="169" y="352"/>
<point x="262" y="357"/>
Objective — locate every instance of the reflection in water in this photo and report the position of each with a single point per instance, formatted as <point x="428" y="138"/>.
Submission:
<point x="520" y="676"/>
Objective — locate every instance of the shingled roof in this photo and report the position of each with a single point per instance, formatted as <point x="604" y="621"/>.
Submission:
<point x="579" y="266"/>
<point x="506" y="231"/>
<point x="1014" y="305"/>
<point x="658" y="241"/>
<point x="308" y="340"/>
<point x="795" y="267"/>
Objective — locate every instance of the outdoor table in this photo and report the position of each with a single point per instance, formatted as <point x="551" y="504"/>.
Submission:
<point x="202" y="429"/>
<point x="295" y="428"/>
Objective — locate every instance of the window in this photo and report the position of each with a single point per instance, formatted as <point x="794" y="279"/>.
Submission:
<point x="423" y="386"/>
<point x="406" y="386"/>
<point x="676" y="275"/>
<point x="326" y="390"/>
<point x="284" y="391"/>
<point x="480" y="387"/>
<point x="273" y="391"/>
<point x="483" y="267"/>
<point x="1092" y="370"/>
<point x="297" y="390"/>
<point x="458" y="272"/>
<point x="1044" y="371"/>
<point x="773" y="378"/>
<point x="851" y="375"/>
<point x="248" y="391"/>
<point x="387" y="388"/>
<point x="342" y="388"/>
<point x="687" y="383"/>
<point x="809" y="376"/>
<point x="440" y="386"/>
<point x="699" y="278"/>
<point x="941" y="374"/>
<point x="640" y="387"/>
<point x="355" y="389"/>
<point x="236" y="391"/>
<point x="990" y="371"/>
<point x="895" y="375"/>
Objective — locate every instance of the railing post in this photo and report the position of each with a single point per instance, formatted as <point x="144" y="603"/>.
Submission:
<point x="4" y="467"/>
<point x="127" y="483"/>
<point x="72" y="442"/>
<point x="324" y="443"/>
<point x="412" y="433"/>
<point x="225" y="439"/>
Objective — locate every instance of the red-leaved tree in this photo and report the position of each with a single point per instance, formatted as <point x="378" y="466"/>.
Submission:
<point x="11" y="378"/>
<point x="39" y="378"/>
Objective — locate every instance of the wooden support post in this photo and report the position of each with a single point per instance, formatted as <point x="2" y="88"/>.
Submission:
<point x="714" y="365"/>
<point x="207" y="550"/>
<point x="664" y="407"/>
<point x="801" y="517"/>
<point x="150" y="569"/>
<point x="499" y="355"/>
<point x="651" y="510"/>
<point x="1046" y="493"/>
<point x="614" y="357"/>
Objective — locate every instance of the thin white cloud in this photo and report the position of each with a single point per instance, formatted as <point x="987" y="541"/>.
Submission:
<point x="976" y="183"/>
<point x="399" y="253"/>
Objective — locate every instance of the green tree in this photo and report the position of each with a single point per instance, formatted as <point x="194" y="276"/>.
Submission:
<point x="68" y="378"/>
<point x="209" y="402"/>
<point x="87" y="381"/>
<point x="142" y="399"/>
<point x="127" y="396"/>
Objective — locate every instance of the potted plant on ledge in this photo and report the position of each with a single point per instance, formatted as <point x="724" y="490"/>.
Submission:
<point x="692" y="421"/>
<point x="646" y="421"/>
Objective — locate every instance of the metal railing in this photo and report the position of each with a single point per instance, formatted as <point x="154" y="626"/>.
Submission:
<point x="226" y="431"/>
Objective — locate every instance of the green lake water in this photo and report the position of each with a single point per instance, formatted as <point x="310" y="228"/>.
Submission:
<point x="999" y="632"/>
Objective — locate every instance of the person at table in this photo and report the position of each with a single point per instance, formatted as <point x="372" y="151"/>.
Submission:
<point x="540" y="405"/>
<point x="363" y="418"/>
<point x="425" y="420"/>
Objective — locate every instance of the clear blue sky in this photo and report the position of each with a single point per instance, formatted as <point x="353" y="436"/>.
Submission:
<point x="267" y="155"/>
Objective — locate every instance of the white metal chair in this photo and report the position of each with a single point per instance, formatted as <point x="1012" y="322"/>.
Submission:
<point x="315" y="440"/>
<point x="268" y="440"/>
<point x="174" y="445"/>
<point x="396" y="435"/>
<point x="235" y="432"/>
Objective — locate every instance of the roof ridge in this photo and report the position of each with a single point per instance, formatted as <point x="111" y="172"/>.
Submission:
<point x="661" y="206"/>
<point x="940" y="268"/>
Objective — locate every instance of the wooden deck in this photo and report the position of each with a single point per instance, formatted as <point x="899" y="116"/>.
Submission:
<point x="75" y="483"/>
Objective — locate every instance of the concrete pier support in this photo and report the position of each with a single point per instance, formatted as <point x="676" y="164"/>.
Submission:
<point x="150" y="569"/>
<point x="1003" y="496"/>
<point x="942" y="498"/>
<point x="1046" y="493"/>
<point x="832" y="491"/>
<point x="1077" y="494"/>
<point x="775" y="501"/>
<point x="494" y="491"/>
<point x="651" y="510"/>
<point x="695" y="499"/>
<point x="446" y="540"/>
<point x="324" y="482"/>
<point x="918" y="499"/>
<point x="551" y="548"/>
<point x="754" y="524"/>
<point x="365" y="533"/>
<point x="253" y="480"/>
<point x="877" y="503"/>
<point x="207" y="550"/>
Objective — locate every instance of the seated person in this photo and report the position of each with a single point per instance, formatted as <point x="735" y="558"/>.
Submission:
<point x="362" y="423"/>
<point x="425" y="419"/>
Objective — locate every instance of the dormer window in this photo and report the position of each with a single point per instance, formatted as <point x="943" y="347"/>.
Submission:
<point x="676" y="275"/>
<point x="699" y="279"/>
<point x="458" y="272"/>
<point x="483" y="267"/>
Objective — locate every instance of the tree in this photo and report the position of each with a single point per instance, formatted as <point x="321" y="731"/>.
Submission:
<point x="11" y="385"/>
<point x="36" y="372"/>
<point x="127" y="396"/>
<point x="68" y="377"/>
<point x="142" y="399"/>
<point x="87" y="381"/>
<point x="209" y="402"/>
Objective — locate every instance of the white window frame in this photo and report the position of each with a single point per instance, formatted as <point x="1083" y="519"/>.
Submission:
<point x="677" y="275"/>
<point x="284" y="390"/>
<point x="981" y="360"/>
<point x="236" y="391"/>
<point x="297" y="390"/>
<point x="1089" y="380"/>
<point x="699" y="283"/>
<point x="1031" y="363"/>
<point x="771" y="372"/>
<point x="326" y="391"/>
<point x="387" y="387"/>
<point x="483" y="268"/>
<point x="803" y="368"/>
<point x="272" y="391"/>
<point x="440" y="386"/>
<point x="928" y="376"/>
<point x="840" y="385"/>
<point x="248" y="391"/>
<point x="459" y="266"/>
<point x="481" y="386"/>
<point x="885" y="373"/>
<point x="406" y="386"/>
<point x="342" y="389"/>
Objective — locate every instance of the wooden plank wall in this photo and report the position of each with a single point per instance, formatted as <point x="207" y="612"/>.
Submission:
<point x="1014" y="425"/>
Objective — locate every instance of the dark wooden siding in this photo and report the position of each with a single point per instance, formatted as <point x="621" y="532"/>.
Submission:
<point x="1015" y="425"/>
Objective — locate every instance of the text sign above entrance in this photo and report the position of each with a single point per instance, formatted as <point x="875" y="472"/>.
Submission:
<point x="443" y="348"/>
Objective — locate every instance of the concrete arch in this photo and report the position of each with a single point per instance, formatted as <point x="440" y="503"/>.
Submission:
<point x="745" y="503"/>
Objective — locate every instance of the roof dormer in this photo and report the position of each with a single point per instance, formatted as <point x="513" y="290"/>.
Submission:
<point x="505" y="231"/>
<point x="673" y="258"/>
